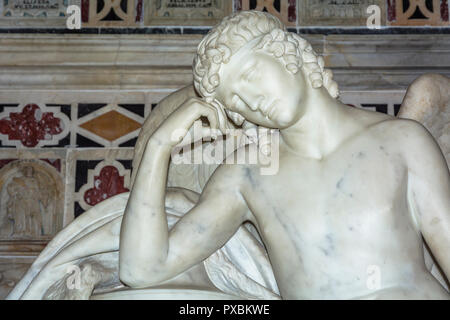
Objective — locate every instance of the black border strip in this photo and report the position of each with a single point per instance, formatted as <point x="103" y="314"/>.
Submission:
<point x="193" y="30"/>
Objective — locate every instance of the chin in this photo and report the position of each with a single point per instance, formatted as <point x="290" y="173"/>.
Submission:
<point x="283" y="120"/>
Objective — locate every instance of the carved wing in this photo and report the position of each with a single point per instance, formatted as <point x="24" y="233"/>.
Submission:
<point x="427" y="101"/>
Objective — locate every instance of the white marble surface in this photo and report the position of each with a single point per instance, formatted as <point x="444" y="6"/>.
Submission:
<point x="428" y="101"/>
<point x="342" y="218"/>
<point x="151" y="62"/>
<point x="354" y="193"/>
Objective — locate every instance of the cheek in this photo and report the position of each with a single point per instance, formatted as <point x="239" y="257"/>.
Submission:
<point x="285" y="87"/>
<point x="288" y="116"/>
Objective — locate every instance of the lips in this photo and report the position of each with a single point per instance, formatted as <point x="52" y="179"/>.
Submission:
<point x="258" y="104"/>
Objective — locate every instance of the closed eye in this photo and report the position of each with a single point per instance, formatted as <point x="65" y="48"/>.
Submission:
<point x="250" y="73"/>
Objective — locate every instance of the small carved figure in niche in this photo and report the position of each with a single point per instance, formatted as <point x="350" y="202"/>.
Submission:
<point x="27" y="198"/>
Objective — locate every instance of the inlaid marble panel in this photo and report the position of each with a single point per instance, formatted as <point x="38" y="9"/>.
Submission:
<point x="34" y="9"/>
<point x="337" y="12"/>
<point x="111" y="13"/>
<point x="33" y="125"/>
<point x="84" y="119"/>
<point x="186" y="12"/>
<point x="285" y="10"/>
<point x="111" y="125"/>
<point x="418" y="12"/>
<point x="34" y="12"/>
<point x="95" y="175"/>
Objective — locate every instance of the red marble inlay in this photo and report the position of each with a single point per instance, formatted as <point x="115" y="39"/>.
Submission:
<point x="444" y="10"/>
<point x="85" y="11"/>
<point x="54" y="163"/>
<point x="391" y="10"/>
<point x="139" y="11"/>
<point x="292" y="11"/>
<point x="4" y="162"/>
<point x="107" y="184"/>
<point x="31" y="125"/>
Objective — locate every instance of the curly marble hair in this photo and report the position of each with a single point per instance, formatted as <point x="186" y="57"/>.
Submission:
<point x="234" y="32"/>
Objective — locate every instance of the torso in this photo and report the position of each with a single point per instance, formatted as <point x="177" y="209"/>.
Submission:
<point x="333" y="227"/>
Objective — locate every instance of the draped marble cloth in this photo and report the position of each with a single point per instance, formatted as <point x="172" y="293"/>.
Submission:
<point x="240" y="269"/>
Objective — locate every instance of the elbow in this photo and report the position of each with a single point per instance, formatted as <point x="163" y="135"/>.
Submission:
<point x="136" y="272"/>
<point x="134" y="279"/>
<point x="141" y="278"/>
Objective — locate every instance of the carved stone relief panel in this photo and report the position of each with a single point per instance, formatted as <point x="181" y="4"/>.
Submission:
<point x="27" y="8"/>
<point x="34" y="12"/>
<point x="337" y="12"/>
<point x="186" y="12"/>
<point x="31" y="200"/>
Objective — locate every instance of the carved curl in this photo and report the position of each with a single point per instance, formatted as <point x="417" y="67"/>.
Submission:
<point x="237" y="30"/>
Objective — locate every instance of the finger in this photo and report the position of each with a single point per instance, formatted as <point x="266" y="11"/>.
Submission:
<point x="212" y="115"/>
<point x="223" y="124"/>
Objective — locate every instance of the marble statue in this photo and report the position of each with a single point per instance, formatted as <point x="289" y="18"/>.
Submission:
<point x="345" y="216"/>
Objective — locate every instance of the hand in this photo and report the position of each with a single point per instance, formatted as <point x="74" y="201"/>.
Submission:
<point x="173" y="130"/>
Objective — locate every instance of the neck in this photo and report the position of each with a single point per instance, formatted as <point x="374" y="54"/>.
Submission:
<point x="318" y="131"/>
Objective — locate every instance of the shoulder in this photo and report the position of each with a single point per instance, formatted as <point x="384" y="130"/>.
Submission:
<point x="402" y="130"/>
<point x="414" y="142"/>
<point x="407" y="131"/>
<point x="231" y="173"/>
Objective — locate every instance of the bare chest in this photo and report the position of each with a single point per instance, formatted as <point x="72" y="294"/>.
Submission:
<point x="316" y="217"/>
<point x="354" y="180"/>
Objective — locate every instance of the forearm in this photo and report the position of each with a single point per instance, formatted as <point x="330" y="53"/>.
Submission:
<point x="144" y="231"/>
<point x="144" y="238"/>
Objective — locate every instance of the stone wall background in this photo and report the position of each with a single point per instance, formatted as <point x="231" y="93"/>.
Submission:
<point x="72" y="101"/>
<point x="194" y="13"/>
